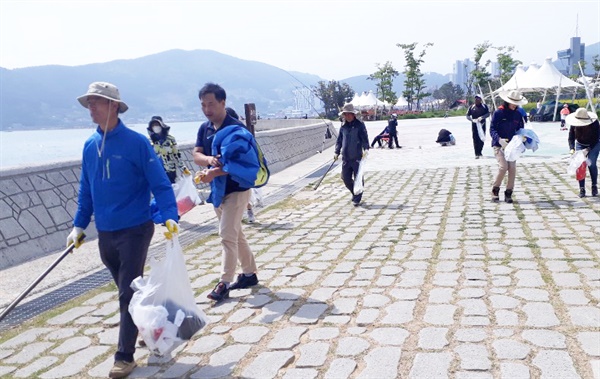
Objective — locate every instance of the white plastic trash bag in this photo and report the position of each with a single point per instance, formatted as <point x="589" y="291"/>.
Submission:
<point x="186" y="194"/>
<point x="480" y="131"/>
<point x="360" y="176"/>
<point x="163" y="306"/>
<point x="514" y="149"/>
<point x="576" y="161"/>
<point x="256" y="197"/>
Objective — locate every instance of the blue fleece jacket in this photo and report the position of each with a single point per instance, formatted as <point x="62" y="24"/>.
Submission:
<point x="239" y="159"/>
<point x="116" y="183"/>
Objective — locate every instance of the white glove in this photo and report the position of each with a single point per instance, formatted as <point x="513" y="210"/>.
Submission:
<point x="503" y="142"/>
<point x="365" y="153"/>
<point x="75" y="237"/>
<point x="172" y="228"/>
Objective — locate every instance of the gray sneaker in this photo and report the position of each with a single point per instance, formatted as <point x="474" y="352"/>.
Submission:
<point x="251" y="218"/>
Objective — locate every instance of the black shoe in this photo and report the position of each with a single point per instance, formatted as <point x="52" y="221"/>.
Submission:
<point x="221" y="292"/>
<point x="356" y="203"/>
<point x="508" y="196"/>
<point x="244" y="281"/>
<point x="594" y="191"/>
<point x="495" y="194"/>
<point x="582" y="192"/>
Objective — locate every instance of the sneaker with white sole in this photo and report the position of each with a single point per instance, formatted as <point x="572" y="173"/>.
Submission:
<point x="251" y="218"/>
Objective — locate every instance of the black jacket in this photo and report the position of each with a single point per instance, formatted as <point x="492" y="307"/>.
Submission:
<point x="351" y="141"/>
<point x="587" y="135"/>
<point x="392" y="125"/>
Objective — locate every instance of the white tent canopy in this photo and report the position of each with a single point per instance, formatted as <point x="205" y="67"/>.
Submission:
<point x="516" y="81"/>
<point x="547" y="77"/>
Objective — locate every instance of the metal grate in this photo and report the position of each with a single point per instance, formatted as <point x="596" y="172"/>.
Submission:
<point x="59" y="296"/>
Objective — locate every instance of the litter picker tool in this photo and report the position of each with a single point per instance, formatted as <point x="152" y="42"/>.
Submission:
<point x="323" y="177"/>
<point x="12" y="305"/>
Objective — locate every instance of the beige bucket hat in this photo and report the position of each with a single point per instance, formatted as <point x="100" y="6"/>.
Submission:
<point x="106" y="90"/>
<point x="348" y="108"/>
<point x="581" y="117"/>
<point x="513" y="97"/>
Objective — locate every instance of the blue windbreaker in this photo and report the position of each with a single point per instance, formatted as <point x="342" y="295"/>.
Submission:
<point x="115" y="185"/>
<point x="239" y="159"/>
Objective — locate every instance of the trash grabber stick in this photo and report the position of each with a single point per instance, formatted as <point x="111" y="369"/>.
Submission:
<point x="323" y="177"/>
<point x="12" y="305"/>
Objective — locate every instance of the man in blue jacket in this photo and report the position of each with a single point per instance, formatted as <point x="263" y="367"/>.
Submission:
<point x="353" y="144"/>
<point x="119" y="171"/>
<point x="228" y="151"/>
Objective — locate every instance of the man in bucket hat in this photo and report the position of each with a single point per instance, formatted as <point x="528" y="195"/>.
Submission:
<point x="506" y="121"/>
<point x="353" y="144"/>
<point x="584" y="133"/>
<point x="119" y="172"/>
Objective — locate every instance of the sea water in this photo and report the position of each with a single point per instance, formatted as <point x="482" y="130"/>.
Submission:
<point x="26" y="148"/>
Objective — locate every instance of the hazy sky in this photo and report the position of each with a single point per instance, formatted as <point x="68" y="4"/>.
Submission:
<point x="331" y="38"/>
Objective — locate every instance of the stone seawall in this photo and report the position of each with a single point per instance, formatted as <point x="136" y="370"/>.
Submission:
<point x="37" y="204"/>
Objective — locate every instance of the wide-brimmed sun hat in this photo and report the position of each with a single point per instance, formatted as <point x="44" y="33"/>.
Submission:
<point x="581" y="117"/>
<point x="479" y="96"/>
<point x="513" y="97"/>
<point x="105" y="90"/>
<point x="348" y="108"/>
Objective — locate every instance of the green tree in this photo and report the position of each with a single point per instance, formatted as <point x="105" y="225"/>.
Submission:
<point x="506" y="63"/>
<point x="384" y="78"/>
<point x="479" y="76"/>
<point x="596" y="65"/>
<point x="450" y="93"/>
<point x="333" y="95"/>
<point x="414" y="84"/>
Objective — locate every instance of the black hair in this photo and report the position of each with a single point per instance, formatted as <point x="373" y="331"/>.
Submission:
<point x="213" y="88"/>
<point x="231" y="112"/>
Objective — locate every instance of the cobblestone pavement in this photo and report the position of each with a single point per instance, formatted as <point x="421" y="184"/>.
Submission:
<point x="427" y="279"/>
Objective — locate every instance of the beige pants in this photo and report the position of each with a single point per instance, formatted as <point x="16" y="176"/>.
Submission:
<point x="504" y="166"/>
<point x="235" y="246"/>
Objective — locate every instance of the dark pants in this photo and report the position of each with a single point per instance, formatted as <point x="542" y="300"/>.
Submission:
<point x="393" y="138"/>
<point x="172" y="175"/>
<point x="124" y="253"/>
<point x="477" y="143"/>
<point x="377" y="139"/>
<point x="349" y="171"/>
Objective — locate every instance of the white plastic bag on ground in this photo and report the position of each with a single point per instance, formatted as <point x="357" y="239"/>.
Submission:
<point x="576" y="161"/>
<point x="514" y="149"/>
<point x="186" y="194"/>
<point x="480" y="131"/>
<point x="360" y="176"/>
<point x="163" y="306"/>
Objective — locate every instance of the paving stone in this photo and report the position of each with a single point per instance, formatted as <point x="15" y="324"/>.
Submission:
<point x="109" y="336"/>
<point x="312" y="354"/>
<point x="473" y="357"/>
<point x="321" y="295"/>
<point x="440" y="314"/>
<point x="75" y="363"/>
<point x="441" y="295"/>
<point x="584" y="316"/>
<point x="405" y="294"/>
<point x="326" y="333"/>
<point x="70" y="315"/>
<point x="249" y="334"/>
<point x="257" y="301"/>
<point x="555" y="364"/>
<point x="506" y="318"/>
<point x="540" y="315"/>
<point x="338" y="320"/>
<point x="430" y="365"/>
<point x="6" y="353"/>
<point x="6" y="370"/>
<point x="367" y="316"/>
<point x="566" y="279"/>
<point x="510" y="370"/>
<point x="574" y="297"/>
<point x="272" y="312"/>
<point x="509" y="349"/>
<point x="351" y="346"/>
<point x="300" y="373"/>
<point x="433" y="338"/>
<point x="72" y="345"/>
<point x="473" y="293"/>
<point x="29" y="352"/>
<point x="473" y="307"/>
<point x="503" y="302"/>
<point x="340" y="368"/>
<point x="181" y="367"/>
<point x="308" y="313"/>
<point x="222" y="363"/>
<point x="545" y="338"/>
<point x="206" y="344"/>
<point x="26" y="337"/>
<point x="590" y="342"/>
<point x="532" y="294"/>
<point x="389" y="336"/>
<point x="39" y="364"/>
<point x="61" y="333"/>
<point x="375" y="301"/>
<point x="267" y="364"/>
<point x="381" y="363"/>
<point x="344" y="306"/>
<point x="287" y="338"/>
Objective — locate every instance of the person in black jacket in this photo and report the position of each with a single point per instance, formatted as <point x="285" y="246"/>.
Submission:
<point x="584" y="133"/>
<point x="353" y="144"/>
<point x="393" y="131"/>
<point x="477" y="113"/>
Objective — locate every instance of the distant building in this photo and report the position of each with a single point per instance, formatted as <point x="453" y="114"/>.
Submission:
<point x="460" y="72"/>
<point x="304" y="101"/>
<point x="571" y="57"/>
